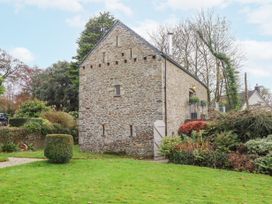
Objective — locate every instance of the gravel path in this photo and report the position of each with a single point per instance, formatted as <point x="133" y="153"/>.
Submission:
<point x="17" y="161"/>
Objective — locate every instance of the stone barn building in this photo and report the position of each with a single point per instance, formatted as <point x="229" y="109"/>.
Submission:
<point x="126" y="85"/>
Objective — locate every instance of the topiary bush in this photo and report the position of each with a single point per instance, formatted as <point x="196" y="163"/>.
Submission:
<point x="17" y="122"/>
<point x="64" y="119"/>
<point x="32" y="109"/>
<point x="58" y="148"/>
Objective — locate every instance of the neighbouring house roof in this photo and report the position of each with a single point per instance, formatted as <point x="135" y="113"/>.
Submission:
<point x="118" y="22"/>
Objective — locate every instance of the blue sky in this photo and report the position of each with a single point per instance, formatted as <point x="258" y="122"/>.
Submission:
<point x="41" y="32"/>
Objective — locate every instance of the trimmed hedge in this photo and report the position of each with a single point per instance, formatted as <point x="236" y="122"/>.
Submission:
<point x="17" y="122"/>
<point x="58" y="148"/>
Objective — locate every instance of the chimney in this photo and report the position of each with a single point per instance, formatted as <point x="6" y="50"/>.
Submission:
<point x="257" y="88"/>
<point x="170" y="43"/>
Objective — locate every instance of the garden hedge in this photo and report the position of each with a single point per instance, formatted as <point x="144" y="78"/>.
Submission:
<point x="58" y="148"/>
<point x="17" y="122"/>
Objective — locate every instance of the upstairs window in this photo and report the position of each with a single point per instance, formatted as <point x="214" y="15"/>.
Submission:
<point x="117" y="90"/>
<point x="104" y="57"/>
<point x="130" y="53"/>
<point x="117" y="41"/>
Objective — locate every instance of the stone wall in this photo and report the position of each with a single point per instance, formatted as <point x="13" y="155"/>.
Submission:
<point x="178" y="86"/>
<point x="137" y="69"/>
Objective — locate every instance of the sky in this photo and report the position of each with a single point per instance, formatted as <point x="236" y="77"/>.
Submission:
<point x="41" y="32"/>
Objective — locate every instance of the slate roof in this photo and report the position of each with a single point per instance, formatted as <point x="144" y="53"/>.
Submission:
<point x="118" y="22"/>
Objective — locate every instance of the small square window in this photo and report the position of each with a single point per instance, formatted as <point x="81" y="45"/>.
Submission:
<point x="145" y="58"/>
<point x="154" y="56"/>
<point x="123" y="54"/>
<point x="116" y="62"/>
<point x="135" y="59"/>
<point x="91" y="66"/>
<point x="108" y="64"/>
<point x="125" y="61"/>
<point x="83" y="67"/>
<point x="99" y="65"/>
<point x="117" y="90"/>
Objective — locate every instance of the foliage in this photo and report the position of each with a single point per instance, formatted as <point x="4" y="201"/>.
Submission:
<point x="247" y="124"/>
<point x="9" y="147"/>
<point x="198" y="153"/>
<point x="32" y="109"/>
<point x="58" y="148"/>
<point x="39" y="125"/>
<point x="188" y="127"/>
<point x="226" y="141"/>
<point x="60" y="117"/>
<point x="3" y="158"/>
<point x="241" y="162"/>
<point x="12" y="134"/>
<point x="74" y="114"/>
<point x="17" y="122"/>
<point x="168" y="144"/>
<point x="264" y="164"/>
<point x="55" y="86"/>
<point x="94" y="30"/>
<point x="260" y="146"/>
<point x="194" y="100"/>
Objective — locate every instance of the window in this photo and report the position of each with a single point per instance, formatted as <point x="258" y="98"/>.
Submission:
<point x="145" y="58"/>
<point x="108" y="64"/>
<point x="125" y="61"/>
<point x="117" y="90"/>
<point x="83" y="67"/>
<point x="131" y="130"/>
<point x="130" y="53"/>
<point x="135" y="59"/>
<point x="103" y="129"/>
<point x="154" y="56"/>
<point x="104" y="57"/>
<point x="99" y="65"/>
<point x="91" y="66"/>
<point x="117" y="41"/>
<point x="116" y="62"/>
<point x="123" y="54"/>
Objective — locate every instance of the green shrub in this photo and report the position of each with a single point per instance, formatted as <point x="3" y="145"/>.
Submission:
<point x="62" y="118"/>
<point x="264" y="164"/>
<point x="226" y="141"/>
<point x="200" y="157"/>
<point x="58" y="148"/>
<point x="248" y="124"/>
<point x="260" y="146"/>
<point x="32" y="109"/>
<point x="9" y="147"/>
<point x="168" y="144"/>
<point x="39" y="125"/>
<point x="17" y="122"/>
<point x="12" y="134"/>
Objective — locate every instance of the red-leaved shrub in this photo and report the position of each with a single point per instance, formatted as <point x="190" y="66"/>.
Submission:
<point x="241" y="162"/>
<point x="187" y="128"/>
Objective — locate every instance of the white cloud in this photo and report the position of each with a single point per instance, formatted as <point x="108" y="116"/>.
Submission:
<point x="191" y="4"/>
<point x="148" y="26"/>
<point x="22" y="54"/>
<point x="67" y="5"/>
<point x="261" y="16"/>
<point x="76" y="21"/>
<point x="117" y="5"/>
<point x="258" y="58"/>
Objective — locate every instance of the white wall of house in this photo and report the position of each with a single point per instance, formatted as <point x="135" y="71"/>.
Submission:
<point x="255" y="99"/>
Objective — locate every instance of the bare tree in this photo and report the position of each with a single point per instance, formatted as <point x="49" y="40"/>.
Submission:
<point x="193" y="54"/>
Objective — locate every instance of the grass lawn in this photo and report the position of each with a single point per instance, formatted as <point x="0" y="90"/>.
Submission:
<point x="92" y="178"/>
<point x="3" y="158"/>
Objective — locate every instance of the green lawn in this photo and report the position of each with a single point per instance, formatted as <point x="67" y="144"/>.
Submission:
<point x="92" y="178"/>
